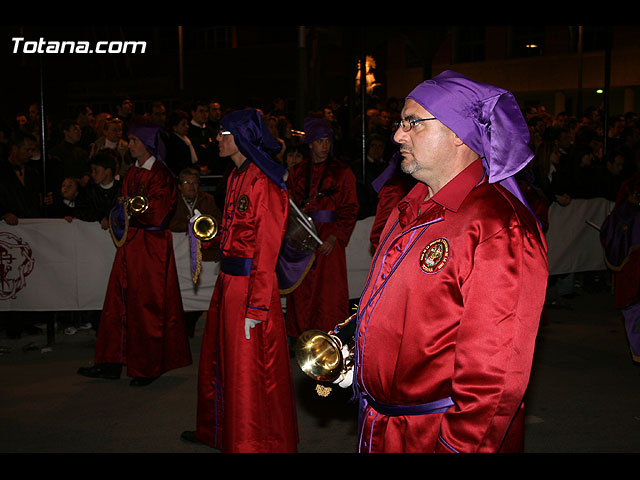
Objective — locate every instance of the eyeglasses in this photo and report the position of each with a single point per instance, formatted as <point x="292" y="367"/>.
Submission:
<point x="407" y="125"/>
<point x="189" y="182"/>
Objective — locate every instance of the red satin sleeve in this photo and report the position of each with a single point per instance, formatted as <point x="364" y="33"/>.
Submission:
<point x="271" y="210"/>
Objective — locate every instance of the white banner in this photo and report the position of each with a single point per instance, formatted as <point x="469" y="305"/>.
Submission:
<point x="53" y="265"/>
<point x="359" y="256"/>
<point x="573" y="237"/>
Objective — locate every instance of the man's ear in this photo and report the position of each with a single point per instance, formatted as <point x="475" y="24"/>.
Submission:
<point x="457" y="141"/>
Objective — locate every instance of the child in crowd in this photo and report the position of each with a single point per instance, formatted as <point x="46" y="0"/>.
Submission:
<point x="63" y="206"/>
<point x="102" y="193"/>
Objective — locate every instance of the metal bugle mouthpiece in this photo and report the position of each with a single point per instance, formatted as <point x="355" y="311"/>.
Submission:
<point x="137" y="204"/>
<point x="205" y="227"/>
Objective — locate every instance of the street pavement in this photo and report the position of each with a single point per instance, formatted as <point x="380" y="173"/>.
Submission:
<point x="584" y="395"/>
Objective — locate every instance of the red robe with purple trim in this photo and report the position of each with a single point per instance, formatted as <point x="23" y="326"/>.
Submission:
<point x="142" y="323"/>
<point x="246" y="400"/>
<point x="321" y="301"/>
<point x="451" y="309"/>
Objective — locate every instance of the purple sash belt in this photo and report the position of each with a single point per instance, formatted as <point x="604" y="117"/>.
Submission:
<point x="163" y="226"/>
<point x="236" y="266"/>
<point x="323" y="216"/>
<point x="437" y="406"/>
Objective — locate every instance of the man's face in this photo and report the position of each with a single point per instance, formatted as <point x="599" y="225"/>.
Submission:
<point x="320" y="149"/>
<point x="126" y="107"/>
<point x="226" y="144"/>
<point x="427" y="148"/>
<point x="159" y="115"/>
<point x="215" y="111"/>
<point x="113" y="131"/>
<point x="74" y="133"/>
<point x="86" y="118"/>
<point x="189" y="186"/>
<point x="376" y="150"/>
<point x="200" y="114"/>
<point x="562" y="120"/>
<point x="34" y="112"/>
<point x="137" y="148"/>
<point x="23" y="153"/>
<point x="328" y="115"/>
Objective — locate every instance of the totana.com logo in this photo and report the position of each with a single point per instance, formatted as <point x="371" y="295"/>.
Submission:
<point x="20" y="45"/>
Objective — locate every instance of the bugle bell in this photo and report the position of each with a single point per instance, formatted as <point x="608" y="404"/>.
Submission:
<point x="205" y="227"/>
<point x="137" y="204"/>
<point x="323" y="356"/>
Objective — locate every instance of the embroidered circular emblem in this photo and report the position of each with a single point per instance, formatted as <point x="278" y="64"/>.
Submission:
<point x="434" y="256"/>
<point x="243" y="203"/>
<point x="16" y="263"/>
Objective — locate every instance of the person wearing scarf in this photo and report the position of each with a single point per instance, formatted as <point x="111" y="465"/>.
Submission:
<point x="447" y="321"/>
<point x="142" y="324"/>
<point x="324" y="188"/>
<point x="245" y="395"/>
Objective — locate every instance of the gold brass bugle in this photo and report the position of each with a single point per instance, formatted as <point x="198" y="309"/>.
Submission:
<point x="320" y="355"/>
<point x="137" y="204"/>
<point x="205" y="227"/>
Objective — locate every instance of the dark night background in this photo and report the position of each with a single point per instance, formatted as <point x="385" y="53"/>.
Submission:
<point x="237" y="66"/>
<point x="251" y="65"/>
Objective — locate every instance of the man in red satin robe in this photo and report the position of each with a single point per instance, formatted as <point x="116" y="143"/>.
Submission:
<point x="448" y="318"/>
<point x="325" y="189"/>
<point x="142" y="324"/>
<point x="246" y="400"/>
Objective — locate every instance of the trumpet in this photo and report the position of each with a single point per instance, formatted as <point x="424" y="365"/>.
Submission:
<point x="327" y="357"/>
<point x="205" y="227"/>
<point x="137" y="204"/>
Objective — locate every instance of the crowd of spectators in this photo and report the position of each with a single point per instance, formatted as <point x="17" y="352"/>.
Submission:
<point x="576" y="158"/>
<point x="87" y="154"/>
<point x="190" y="138"/>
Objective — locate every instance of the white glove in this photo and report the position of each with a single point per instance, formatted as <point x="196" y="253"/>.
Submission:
<point x="196" y="214"/>
<point x="345" y="379"/>
<point x="249" y="323"/>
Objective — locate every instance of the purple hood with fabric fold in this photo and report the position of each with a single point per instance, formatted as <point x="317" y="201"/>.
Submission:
<point x="254" y="140"/>
<point x="486" y="118"/>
